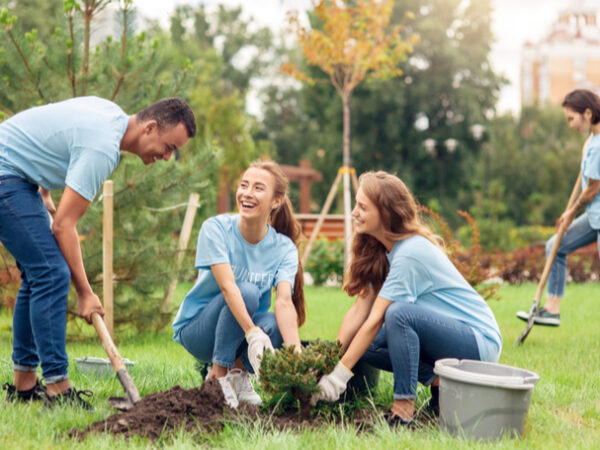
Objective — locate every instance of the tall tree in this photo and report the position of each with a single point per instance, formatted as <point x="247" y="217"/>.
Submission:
<point x="350" y="41"/>
<point x="231" y="54"/>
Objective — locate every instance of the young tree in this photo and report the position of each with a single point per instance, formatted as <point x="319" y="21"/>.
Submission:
<point x="448" y="83"/>
<point x="352" y="41"/>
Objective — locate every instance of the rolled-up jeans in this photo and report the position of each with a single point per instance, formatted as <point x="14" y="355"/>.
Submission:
<point x="579" y="234"/>
<point x="40" y="316"/>
<point x="412" y="339"/>
<point x="215" y="335"/>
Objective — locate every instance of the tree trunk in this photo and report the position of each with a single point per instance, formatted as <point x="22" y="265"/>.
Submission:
<point x="304" y="402"/>
<point x="346" y="96"/>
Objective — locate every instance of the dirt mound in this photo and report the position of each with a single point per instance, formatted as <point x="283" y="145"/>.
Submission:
<point x="198" y="409"/>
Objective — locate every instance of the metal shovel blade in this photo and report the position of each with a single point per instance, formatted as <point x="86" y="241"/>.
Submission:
<point x="532" y="312"/>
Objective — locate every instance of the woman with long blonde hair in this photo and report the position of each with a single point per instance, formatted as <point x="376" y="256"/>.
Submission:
<point x="240" y="258"/>
<point x="413" y="307"/>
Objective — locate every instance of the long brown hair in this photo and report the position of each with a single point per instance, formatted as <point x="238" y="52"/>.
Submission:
<point x="400" y="219"/>
<point x="283" y="221"/>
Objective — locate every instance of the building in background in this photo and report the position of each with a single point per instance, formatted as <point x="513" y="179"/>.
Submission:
<point x="567" y="58"/>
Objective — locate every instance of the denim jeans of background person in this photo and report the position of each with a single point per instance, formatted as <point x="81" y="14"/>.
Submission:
<point x="579" y="234"/>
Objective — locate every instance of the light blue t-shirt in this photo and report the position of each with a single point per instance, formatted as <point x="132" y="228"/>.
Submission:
<point x="590" y="168"/>
<point x="266" y="264"/>
<point x="75" y="143"/>
<point x="421" y="273"/>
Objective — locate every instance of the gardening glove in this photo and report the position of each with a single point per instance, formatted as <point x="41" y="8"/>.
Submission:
<point x="258" y="341"/>
<point x="332" y="385"/>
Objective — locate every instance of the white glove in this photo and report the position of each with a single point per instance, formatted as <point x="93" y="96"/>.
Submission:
<point x="258" y="341"/>
<point x="332" y="385"/>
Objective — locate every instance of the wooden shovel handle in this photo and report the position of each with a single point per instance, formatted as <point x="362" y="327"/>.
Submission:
<point x="559" y="234"/>
<point x="107" y="342"/>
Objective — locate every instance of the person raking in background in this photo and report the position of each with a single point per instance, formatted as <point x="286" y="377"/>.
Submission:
<point x="582" y="112"/>
<point x="75" y="145"/>
<point x="240" y="258"/>
<point x="413" y="306"/>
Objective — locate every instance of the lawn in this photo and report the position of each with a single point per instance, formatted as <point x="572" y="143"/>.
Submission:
<point x="564" y="413"/>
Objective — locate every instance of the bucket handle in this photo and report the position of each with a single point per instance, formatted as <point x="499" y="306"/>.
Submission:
<point x="514" y="382"/>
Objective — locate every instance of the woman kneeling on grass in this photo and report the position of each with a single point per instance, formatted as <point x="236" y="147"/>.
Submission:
<point x="240" y="258"/>
<point x="413" y="306"/>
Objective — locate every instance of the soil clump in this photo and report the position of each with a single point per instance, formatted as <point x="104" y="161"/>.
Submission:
<point x="200" y="410"/>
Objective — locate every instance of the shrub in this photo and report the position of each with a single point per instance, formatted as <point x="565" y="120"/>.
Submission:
<point x="526" y="265"/>
<point x="476" y="266"/>
<point x="287" y="372"/>
<point x="326" y="260"/>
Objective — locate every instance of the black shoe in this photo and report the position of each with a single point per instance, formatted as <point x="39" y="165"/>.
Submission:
<point x="36" y="393"/>
<point x="541" y="317"/>
<point x="72" y="397"/>
<point x="395" y="421"/>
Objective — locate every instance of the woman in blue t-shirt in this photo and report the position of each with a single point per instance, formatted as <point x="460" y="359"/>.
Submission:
<point x="582" y="111"/>
<point x="240" y="258"/>
<point x="413" y="306"/>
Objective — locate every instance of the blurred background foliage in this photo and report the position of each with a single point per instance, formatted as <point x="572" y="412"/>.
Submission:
<point x="514" y="177"/>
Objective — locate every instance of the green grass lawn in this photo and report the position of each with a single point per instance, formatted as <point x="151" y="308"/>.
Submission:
<point x="564" y="412"/>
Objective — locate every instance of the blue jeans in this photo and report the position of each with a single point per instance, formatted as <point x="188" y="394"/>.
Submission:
<point x="40" y="316"/>
<point x="412" y="339"/>
<point x="215" y="335"/>
<point x="579" y="234"/>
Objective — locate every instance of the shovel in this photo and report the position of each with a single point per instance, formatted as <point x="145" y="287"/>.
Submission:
<point x="546" y="272"/>
<point x="133" y="396"/>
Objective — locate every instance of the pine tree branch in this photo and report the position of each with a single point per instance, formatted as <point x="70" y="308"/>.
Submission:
<point x="70" y="71"/>
<point x="125" y="10"/>
<point x="24" y="59"/>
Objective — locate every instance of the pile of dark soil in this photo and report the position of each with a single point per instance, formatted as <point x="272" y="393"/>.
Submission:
<point x="197" y="410"/>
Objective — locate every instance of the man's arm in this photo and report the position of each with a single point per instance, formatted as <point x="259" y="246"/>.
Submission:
<point x="71" y="208"/>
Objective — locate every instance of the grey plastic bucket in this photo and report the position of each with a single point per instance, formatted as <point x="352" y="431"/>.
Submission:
<point x="483" y="400"/>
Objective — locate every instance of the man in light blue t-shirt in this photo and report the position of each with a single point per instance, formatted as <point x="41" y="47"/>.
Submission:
<point x="75" y="145"/>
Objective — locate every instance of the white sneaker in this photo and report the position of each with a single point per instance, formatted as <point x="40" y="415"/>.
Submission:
<point x="242" y="384"/>
<point x="231" y="397"/>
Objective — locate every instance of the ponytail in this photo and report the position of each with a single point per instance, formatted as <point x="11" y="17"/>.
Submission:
<point x="284" y="222"/>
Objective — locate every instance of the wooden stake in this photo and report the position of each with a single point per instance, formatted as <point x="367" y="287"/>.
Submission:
<point x="107" y="254"/>
<point x="184" y="238"/>
<point x="321" y="218"/>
